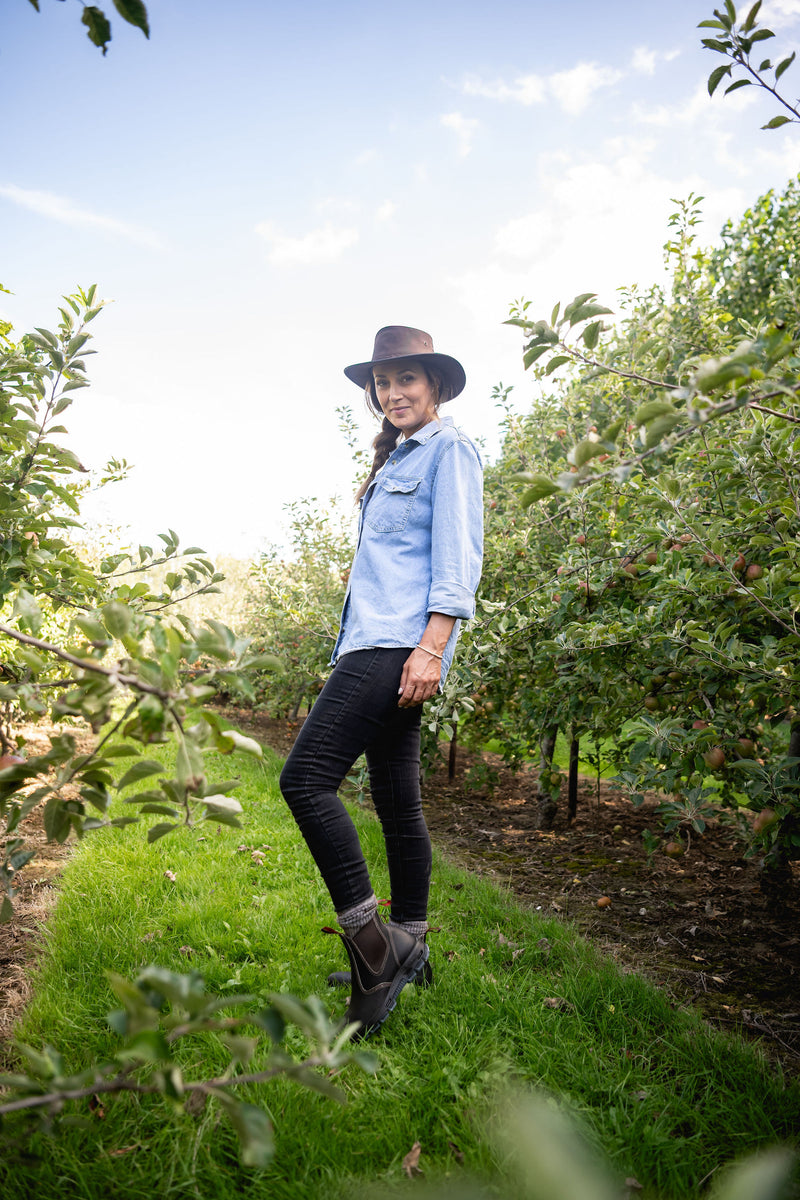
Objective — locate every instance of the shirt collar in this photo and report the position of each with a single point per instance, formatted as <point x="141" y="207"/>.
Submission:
<point x="428" y="431"/>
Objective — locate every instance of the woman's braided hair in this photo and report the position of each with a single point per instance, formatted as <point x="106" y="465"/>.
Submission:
<point x="385" y="442"/>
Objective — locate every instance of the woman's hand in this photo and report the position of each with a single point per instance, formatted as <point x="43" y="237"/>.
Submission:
<point x="420" y="679"/>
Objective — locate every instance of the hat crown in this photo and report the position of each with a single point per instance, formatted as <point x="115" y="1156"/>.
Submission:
<point x="401" y="341"/>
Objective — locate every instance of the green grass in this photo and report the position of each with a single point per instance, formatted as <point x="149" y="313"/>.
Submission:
<point x="666" y="1098"/>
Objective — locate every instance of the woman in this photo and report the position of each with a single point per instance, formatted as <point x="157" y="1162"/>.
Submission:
<point x="413" y="579"/>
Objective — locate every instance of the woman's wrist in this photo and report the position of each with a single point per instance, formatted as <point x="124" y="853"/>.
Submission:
<point x="428" y="650"/>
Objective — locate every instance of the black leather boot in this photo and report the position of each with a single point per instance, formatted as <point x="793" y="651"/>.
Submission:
<point x="383" y="959"/>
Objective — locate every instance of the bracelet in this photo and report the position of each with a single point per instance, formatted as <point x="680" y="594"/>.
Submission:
<point x="427" y="651"/>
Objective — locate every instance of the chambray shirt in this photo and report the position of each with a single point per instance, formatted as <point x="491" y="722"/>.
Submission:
<point x="420" y="543"/>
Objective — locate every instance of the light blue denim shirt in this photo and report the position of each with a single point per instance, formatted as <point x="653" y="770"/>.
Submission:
<point x="420" y="543"/>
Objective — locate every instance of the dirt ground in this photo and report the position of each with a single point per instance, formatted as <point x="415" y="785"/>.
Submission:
<point x="698" y="926"/>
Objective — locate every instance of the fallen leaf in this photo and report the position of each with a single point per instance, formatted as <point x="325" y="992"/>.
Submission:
<point x="458" y="1155"/>
<point x="630" y="1182"/>
<point x="96" y="1106"/>
<point x="411" y="1161"/>
<point x="556" y="1002"/>
<point x="544" y="945"/>
<point x="170" y="875"/>
<point x="123" y="1150"/>
<point x="187" y="951"/>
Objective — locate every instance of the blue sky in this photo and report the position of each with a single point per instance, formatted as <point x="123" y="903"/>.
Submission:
<point x="261" y="186"/>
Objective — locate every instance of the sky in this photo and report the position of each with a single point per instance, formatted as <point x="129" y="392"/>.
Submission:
<point x="261" y="186"/>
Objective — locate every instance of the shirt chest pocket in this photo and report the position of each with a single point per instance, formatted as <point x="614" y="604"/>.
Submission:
<point x="390" y="504"/>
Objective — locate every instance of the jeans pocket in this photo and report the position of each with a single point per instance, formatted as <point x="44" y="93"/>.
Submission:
<point x="390" y="504"/>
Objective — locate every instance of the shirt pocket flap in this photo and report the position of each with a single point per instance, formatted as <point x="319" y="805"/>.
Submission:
<point x="400" y="485"/>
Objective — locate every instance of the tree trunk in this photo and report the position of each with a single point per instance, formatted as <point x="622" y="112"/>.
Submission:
<point x="776" y="874"/>
<point x="451" y="759"/>
<point x="572" y="785"/>
<point x="546" y="805"/>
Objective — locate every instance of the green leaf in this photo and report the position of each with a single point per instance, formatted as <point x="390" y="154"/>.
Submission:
<point x="158" y="831"/>
<point x="750" y="19"/>
<point x="729" y="6"/>
<point x="591" y="334"/>
<point x="784" y="66"/>
<point x="652" y="409"/>
<point x="584" y="451"/>
<point x="240" y="742"/>
<point x="717" y="75"/>
<point x="659" y="428"/>
<point x="6" y="910"/>
<point x="584" y="311"/>
<point x="556" y="362"/>
<point x="530" y="356"/>
<point x="150" y="1046"/>
<point x="714" y="44"/>
<point x="740" y="83"/>
<point x="612" y="431"/>
<point x="98" y="26"/>
<point x="761" y="35"/>
<point x="252" y="1125"/>
<point x="710" y="25"/>
<point x="219" y="804"/>
<point x="117" y="618"/>
<point x="135" y="13"/>
<point x="140" y="770"/>
<point x="776" y="122"/>
<point x="578" y="302"/>
<point x="539" y="487"/>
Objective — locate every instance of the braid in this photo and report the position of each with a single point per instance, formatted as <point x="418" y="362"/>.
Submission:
<point x="383" y="446"/>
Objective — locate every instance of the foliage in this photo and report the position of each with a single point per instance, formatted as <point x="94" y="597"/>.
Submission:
<point x="162" y="1008"/>
<point x="295" y="602"/>
<point x="651" y="595"/>
<point x="124" y="664"/>
<point x="737" y="43"/>
<point x="756" y="268"/>
<point x="98" y="26"/>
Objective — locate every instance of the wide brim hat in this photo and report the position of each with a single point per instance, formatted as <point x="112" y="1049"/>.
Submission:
<point x="401" y="341"/>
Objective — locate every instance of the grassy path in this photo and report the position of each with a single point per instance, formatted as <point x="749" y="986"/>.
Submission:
<point x="518" y="1000"/>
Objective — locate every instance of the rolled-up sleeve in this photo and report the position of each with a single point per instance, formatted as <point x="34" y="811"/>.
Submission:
<point x="457" y="531"/>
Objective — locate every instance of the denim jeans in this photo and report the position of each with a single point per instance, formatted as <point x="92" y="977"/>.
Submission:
<point x="357" y="713"/>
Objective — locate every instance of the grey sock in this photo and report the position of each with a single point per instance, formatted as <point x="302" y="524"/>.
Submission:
<point x="418" y="928"/>
<point x="355" y="918"/>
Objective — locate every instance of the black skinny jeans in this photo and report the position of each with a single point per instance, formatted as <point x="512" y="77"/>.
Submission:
<point x="356" y="713"/>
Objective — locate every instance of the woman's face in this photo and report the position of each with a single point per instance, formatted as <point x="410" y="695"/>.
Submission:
<point x="405" y="393"/>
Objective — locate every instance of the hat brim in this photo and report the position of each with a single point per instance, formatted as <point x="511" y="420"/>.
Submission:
<point x="451" y="369"/>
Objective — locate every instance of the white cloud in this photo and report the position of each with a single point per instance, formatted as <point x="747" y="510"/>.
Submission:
<point x="699" y="107"/>
<point x="644" y="59"/>
<point x="464" y="129"/>
<point x="573" y="89"/>
<point x="527" y="89"/>
<point x="317" y="246"/>
<point x="778" y="13"/>
<point x="386" y="211"/>
<point x="600" y="225"/>
<point x="61" y="208"/>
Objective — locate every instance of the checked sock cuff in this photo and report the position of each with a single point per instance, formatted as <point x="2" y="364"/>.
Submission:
<point x="355" y="918"/>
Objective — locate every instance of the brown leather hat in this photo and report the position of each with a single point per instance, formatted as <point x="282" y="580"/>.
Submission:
<point x="400" y="341"/>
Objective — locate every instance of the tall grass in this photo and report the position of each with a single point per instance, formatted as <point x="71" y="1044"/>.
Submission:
<point x="518" y="1001"/>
